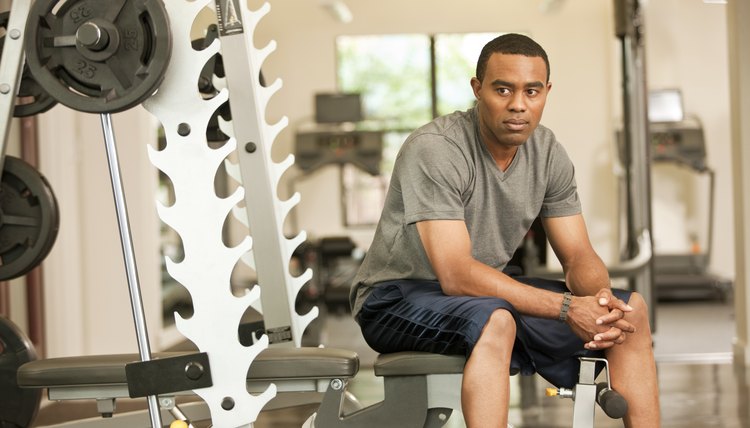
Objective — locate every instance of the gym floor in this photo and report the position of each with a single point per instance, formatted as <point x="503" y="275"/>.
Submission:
<point x="699" y="386"/>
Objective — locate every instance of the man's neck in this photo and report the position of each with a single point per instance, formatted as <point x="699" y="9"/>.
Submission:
<point x="503" y="156"/>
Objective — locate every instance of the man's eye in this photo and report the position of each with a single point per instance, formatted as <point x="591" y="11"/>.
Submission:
<point x="532" y="92"/>
<point x="503" y="91"/>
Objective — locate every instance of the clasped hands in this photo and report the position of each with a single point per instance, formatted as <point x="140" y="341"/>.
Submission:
<point x="599" y="319"/>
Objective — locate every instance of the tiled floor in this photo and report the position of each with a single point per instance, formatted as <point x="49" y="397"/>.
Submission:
<point x="699" y="387"/>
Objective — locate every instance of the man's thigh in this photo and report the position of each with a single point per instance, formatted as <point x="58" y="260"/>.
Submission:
<point x="410" y="315"/>
<point x="417" y="316"/>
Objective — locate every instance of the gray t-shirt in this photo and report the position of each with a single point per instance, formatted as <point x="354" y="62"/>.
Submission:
<point x="444" y="172"/>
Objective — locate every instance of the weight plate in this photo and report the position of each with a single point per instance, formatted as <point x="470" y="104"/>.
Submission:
<point x="29" y="218"/>
<point x="31" y="99"/>
<point x="98" y="56"/>
<point x="19" y="406"/>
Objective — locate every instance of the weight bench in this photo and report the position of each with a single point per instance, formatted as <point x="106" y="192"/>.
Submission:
<point x="301" y="376"/>
<point x="420" y="389"/>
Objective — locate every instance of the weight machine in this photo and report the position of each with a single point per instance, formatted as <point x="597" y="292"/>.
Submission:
<point x="105" y="57"/>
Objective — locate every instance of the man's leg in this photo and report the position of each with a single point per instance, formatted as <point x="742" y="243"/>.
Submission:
<point x="485" y="392"/>
<point x="633" y="370"/>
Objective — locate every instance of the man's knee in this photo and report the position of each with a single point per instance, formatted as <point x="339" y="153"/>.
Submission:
<point x="639" y="317"/>
<point x="639" y="305"/>
<point x="500" y="327"/>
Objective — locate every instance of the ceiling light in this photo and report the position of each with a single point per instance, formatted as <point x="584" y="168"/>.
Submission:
<point x="339" y="10"/>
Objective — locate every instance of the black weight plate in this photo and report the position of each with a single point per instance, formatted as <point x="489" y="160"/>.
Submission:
<point x="19" y="406"/>
<point x="29" y="218"/>
<point x="32" y="99"/>
<point x="107" y="75"/>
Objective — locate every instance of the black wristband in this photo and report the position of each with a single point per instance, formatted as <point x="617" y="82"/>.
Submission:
<point x="565" y="306"/>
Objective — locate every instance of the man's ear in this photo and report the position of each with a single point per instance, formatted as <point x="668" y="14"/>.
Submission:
<point x="549" y="86"/>
<point x="476" y="85"/>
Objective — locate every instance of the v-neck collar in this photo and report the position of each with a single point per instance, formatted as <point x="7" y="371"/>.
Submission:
<point x="487" y="156"/>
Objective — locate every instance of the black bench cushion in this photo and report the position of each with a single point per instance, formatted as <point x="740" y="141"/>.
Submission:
<point x="271" y="363"/>
<point x="418" y="363"/>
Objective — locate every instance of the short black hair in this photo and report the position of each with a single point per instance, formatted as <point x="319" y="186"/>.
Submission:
<point x="510" y="44"/>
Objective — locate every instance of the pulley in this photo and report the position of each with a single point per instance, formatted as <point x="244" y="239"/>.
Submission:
<point x="29" y="218"/>
<point x="98" y="56"/>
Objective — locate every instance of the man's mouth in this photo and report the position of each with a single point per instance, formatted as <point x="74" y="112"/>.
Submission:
<point x="516" y="124"/>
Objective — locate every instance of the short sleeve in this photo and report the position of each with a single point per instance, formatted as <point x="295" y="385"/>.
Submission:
<point x="561" y="197"/>
<point x="431" y="174"/>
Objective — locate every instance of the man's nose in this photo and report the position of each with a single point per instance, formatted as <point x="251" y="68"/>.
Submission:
<point x="517" y="102"/>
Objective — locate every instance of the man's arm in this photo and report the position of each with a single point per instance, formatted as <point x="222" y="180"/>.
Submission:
<point x="448" y="247"/>
<point x="585" y="273"/>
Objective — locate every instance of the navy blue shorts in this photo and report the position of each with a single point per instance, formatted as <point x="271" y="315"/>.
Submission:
<point x="415" y="315"/>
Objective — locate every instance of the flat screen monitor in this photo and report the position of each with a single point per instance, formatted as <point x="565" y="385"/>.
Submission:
<point x="665" y="105"/>
<point x="338" y="107"/>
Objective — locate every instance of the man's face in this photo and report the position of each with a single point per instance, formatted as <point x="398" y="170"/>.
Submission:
<point x="511" y="98"/>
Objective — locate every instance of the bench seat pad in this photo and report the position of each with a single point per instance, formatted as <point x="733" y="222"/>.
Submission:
<point x="418" y="363"/>
<point x="272" y="363"/>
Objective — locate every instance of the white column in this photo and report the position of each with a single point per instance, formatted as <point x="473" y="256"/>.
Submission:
<point x="738" y="15"/>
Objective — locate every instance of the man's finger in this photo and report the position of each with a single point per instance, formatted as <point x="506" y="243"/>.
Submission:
<point x="620" y="339"/>
<point x="598" y="345"/>
<point x="619" y="304"/>
<point x="612" y="334"/>
<point x="613" y="316"/>
<point x="604" y="296"/>
<point x="625" y="326"/>
<point x="614" y="321"/>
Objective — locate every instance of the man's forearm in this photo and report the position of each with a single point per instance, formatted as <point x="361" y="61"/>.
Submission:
<point x="474" y="278"/>
<point x="587" y="276"/>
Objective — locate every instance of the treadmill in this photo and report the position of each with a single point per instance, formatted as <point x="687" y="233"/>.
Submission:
<point x="680" y="140"/>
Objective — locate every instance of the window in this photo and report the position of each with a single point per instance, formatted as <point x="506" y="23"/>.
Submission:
<point x="392" y="73"/>
<point x="405" y="81"/>
<point x="455" y="64"/>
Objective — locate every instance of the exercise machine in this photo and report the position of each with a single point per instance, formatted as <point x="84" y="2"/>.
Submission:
<point x="685" y="274"/>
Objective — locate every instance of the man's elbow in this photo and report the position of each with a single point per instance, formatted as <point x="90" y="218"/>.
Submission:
<point x="451" y="285"/>
<point x="455" y="274"/>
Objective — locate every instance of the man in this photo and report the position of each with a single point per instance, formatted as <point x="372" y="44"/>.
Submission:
<point x="464" y="192"/>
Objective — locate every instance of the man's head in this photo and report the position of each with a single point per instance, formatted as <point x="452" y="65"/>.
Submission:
<point x="510" y="44"/>
<point x="511" y="89"/>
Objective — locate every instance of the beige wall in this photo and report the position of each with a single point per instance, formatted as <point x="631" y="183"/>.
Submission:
<point x="739" y="47"/>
